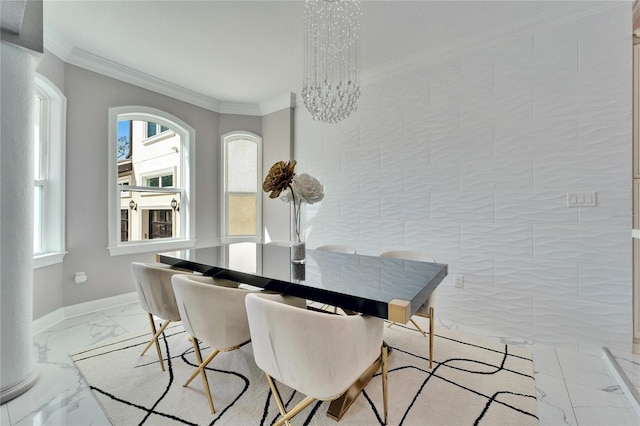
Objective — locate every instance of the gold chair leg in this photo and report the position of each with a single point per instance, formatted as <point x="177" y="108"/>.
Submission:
<point x="415" y="324"/>
<point x="431" y="332"/>
<point x="154" y="339"/>
<point x="201" y="366"/>
<point x="286" y="416"/>
<point x="278" y="399"/>
<point x="385" y="394"/>
<point x="390" y="324"/>
<point x="205" y="382"/>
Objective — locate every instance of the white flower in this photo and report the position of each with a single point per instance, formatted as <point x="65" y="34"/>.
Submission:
<point x="307" y="188"/>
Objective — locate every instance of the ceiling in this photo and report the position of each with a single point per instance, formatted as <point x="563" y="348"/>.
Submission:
<point x="251" y="51"/>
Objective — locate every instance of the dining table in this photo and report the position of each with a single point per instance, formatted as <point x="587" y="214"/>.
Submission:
<point x="388" y="288"/>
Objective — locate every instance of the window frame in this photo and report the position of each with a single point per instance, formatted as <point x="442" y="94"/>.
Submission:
<point x="226" y="139"/>
<point x="187" y="180"/>
<point x="53" y="119"/>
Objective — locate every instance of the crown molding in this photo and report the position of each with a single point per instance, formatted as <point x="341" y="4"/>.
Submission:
<point x="239" y="109"/>
<point x="58" y="47"/>
<point x="97" y="64"/>
<point x="277" y="104"/>
<point x="91" y="62"/>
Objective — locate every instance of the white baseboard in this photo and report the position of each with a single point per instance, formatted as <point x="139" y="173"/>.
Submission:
<point x="49" y="320"/>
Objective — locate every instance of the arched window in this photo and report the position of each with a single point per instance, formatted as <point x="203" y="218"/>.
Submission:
<point x="49" y="173"/>
<point x="241" y="184"/>
<point x="151" y="181"/>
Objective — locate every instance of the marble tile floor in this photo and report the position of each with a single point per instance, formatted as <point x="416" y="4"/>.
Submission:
<point x="573" y="388"/>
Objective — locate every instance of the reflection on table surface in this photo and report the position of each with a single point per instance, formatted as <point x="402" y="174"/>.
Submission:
<point x="359" y="283"/>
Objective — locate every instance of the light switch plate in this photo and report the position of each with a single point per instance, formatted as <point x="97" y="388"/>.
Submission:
<point x="581" y="199"/>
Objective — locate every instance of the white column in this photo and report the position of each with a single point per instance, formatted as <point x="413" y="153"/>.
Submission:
<point x="17" y="70"/>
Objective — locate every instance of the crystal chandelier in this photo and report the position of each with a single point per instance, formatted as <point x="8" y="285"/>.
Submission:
<point x="331" y="84"/>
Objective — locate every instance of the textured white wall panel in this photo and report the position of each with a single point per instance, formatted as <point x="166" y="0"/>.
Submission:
<point x="514" y="173"/>
<point x="585" y="244"/>
<point x="537" y="277"/>
<point x="605" y="127"/>
<point x="462" y="207"/>
<point x="376" y="236"/>
<point x="585" y="320"/>
<point x="435" y="177"/>
<point x="470" y="157"/>
<point x="612" y="210"/>
<point x="412" y="154"/>
<point x="500" y="306"/>
<point x="471" y="144"/>
<point x="543" y="135"/>
<point x="566" y="171"/>
<point x="534" y="207"/>
<point x="478" y="270"/>
<point x="441" y="240"/>
<point x="501" y="240"/>
<point x="605" y="284"/>
<point x="406" y="205"/>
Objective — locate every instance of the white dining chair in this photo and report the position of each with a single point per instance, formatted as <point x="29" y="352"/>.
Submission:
<point x="155" y="293"/>
<point x="426" y="310"/>
<point x="318" y="354"/>
<point x="213" y="311"/>
<point x="337" y="248"/>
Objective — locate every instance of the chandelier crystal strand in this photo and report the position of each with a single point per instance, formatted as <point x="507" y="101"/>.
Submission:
<point x="331" y="84"/>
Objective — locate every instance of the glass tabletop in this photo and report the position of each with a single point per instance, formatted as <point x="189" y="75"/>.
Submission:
<point x="360" y="283"/>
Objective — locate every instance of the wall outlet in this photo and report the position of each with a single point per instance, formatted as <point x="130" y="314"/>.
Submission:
<point x="459" y="281"/>
<point x="80" y="278"/>
<point x="581" y="199"/>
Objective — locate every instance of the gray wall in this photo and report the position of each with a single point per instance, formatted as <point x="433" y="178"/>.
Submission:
<point x="277" y="146"/>
<point x="232" y="122"/>
<point x="89" y="96"/>
<point x="47" y="281"/>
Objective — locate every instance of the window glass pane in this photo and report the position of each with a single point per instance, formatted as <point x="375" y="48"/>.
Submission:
<point x="152" y="129"/>
<point x="153" y="162"/>
<point x="124" y="140"/>
<point x="160" y="224"/>
<point x="36" y="138"/>
<point x="37" y="219"/>
<point x="124" y="225"/>
<point x="167" y="181"/>
<point x="242" y="166"/>
<point x="242" y="215"/>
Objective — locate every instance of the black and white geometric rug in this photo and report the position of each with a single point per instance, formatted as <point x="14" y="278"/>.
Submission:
<point x="473" y="382"/>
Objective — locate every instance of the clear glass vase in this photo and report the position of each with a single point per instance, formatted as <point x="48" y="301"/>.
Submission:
<point x="297" y="233"/>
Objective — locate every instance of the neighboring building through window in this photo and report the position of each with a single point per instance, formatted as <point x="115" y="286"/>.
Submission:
<point x="124" y="225"/>
<point x="49" y="173"/>
<point x="241" y="196"/>
<point x="152" y="189"/>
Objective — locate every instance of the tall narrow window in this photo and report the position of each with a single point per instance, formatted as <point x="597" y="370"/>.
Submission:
<point x="151" y="181"/>
<point x="241" y="198"/>
<point x="49" y="172"/>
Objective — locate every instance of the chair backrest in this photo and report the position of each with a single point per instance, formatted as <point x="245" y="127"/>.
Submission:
<point x="419" y="256"/>
<point x="316" y="353"/>
<point x="408" y="255"/>
<point x="213" y="312"/>
<point x="337" y="248"/>
<point x="153" y="284"/>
